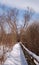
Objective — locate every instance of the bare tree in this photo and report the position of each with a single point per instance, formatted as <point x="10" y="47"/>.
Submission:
<point x="27" y="16"/>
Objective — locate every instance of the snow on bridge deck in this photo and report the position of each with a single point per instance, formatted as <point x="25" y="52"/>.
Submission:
<point x="16" y="56"/>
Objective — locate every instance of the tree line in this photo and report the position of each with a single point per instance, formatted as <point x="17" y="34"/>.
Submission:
<point x="28" y="35"/>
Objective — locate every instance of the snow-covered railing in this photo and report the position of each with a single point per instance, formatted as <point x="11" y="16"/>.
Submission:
<point x="34" y="56"/>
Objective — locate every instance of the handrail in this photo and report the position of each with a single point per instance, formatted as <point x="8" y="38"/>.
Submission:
<point x="29" y="53"/>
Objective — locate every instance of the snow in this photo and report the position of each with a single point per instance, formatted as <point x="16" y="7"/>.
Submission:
<point x="16" y="56"/>
<point x="36" y="62"/>
<point x="34" y="55"/>
<point x="36" y="58"/>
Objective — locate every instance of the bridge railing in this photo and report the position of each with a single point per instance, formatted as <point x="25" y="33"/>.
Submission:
<point x="31" y="55"/>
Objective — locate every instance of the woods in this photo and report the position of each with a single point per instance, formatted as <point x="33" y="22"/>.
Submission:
<point x="27" y="33"/>
<point x="31" y="37"/>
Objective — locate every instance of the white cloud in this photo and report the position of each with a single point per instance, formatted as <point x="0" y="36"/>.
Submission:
<point x="22" y="4"/>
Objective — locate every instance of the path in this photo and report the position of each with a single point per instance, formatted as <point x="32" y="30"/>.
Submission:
<point x="16" y="56"/>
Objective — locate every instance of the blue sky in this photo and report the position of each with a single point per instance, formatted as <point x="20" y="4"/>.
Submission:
<point x="22" y="4"/>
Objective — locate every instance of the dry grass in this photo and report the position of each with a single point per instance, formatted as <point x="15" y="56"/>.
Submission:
<point x="30" y="38"/>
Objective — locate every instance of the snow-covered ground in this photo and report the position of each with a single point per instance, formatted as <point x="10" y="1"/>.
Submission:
<point x="16" y="56"/>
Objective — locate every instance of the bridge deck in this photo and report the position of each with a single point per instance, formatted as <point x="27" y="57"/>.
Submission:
<point x="16" y="56"/>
